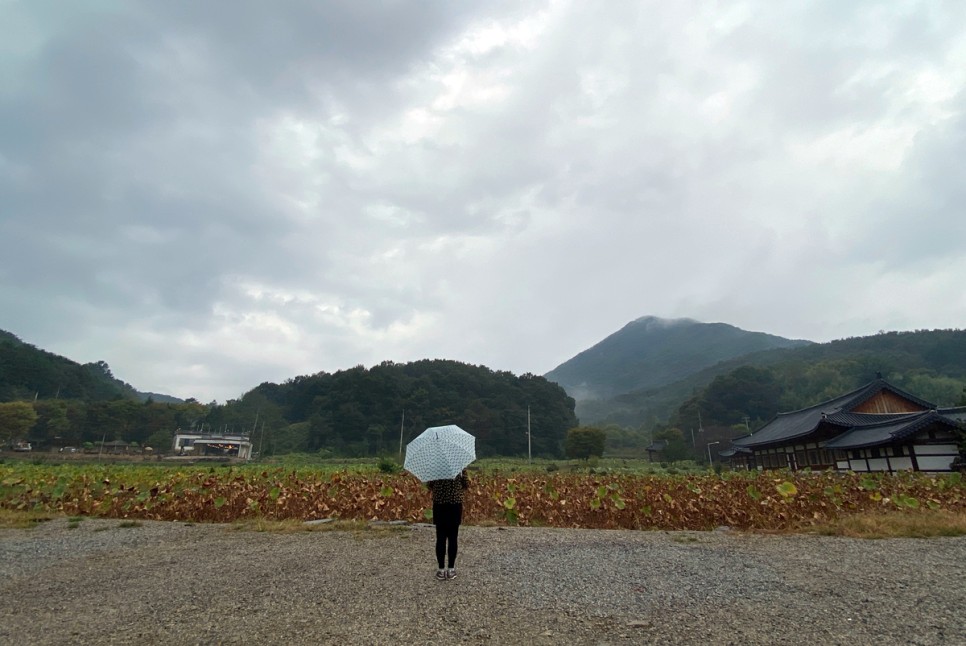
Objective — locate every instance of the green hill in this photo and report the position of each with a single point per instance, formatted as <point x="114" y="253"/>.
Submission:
<point x="27" y="372"/>
<point x="652" y="352"/>
<point x="360" y="411"/>
<point x="931" y="364"/>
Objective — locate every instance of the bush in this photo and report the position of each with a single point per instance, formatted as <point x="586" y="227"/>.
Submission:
<point x="583" y="442"/>
<point x="388" y="465"/>
<point x="552" y="467"/>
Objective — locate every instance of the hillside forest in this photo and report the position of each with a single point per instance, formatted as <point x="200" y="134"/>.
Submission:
<point x="751" y="390"/>
<point x="52" y="401"/>
<point x="359" y="412"/>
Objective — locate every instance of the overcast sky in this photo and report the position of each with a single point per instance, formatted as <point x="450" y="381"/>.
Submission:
<point x="209" y="195"/>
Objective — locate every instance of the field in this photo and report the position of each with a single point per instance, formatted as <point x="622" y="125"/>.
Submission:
<point x="616" y="495"/>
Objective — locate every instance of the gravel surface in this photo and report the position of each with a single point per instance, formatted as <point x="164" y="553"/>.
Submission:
<point x="175" y="583"/>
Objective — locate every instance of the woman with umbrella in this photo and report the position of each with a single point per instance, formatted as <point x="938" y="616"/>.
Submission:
<point x="439" y="457"/>
<point x="447" y="516"/>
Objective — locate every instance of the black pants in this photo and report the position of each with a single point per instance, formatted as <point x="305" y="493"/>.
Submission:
<point x="447" y="519"/>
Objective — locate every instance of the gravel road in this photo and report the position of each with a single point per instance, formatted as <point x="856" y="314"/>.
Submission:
<point x="176" y="583"/>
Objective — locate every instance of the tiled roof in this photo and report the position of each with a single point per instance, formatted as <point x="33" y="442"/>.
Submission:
<point x="849" y="420"/>
<point x="788" y="426"/>
<point x="957" y="413"/>
<point x="888" y="431"/>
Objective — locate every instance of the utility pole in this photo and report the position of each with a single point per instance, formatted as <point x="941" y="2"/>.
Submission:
<point x="710" y="444"/>
<point x="529" y="456"/>
<point x="402" y="425"/>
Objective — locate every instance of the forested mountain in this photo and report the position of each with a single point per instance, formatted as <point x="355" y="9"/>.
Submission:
<point x="931" y="364"/>
<point x="361" y="412"/>
<point x="27" y="372"/>
<point x="358" y="412"/>
<point x="652" y="352"/>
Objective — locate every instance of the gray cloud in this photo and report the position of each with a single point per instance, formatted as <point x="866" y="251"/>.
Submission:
<point x="208" y="196"/>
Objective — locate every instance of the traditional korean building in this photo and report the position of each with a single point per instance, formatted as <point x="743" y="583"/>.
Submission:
<point x="877" y="427"/>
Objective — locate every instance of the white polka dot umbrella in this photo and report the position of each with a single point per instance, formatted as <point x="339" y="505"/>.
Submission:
<point x="440" y="453"/>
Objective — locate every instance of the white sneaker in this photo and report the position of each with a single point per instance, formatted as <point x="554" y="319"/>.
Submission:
<point x="441" y="575"/>
<point x="451" y="573"/>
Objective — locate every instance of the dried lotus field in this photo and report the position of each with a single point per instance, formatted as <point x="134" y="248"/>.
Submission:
<point x="780" y="501"/>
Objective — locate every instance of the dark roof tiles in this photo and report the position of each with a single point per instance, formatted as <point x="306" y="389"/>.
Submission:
<point x="788" y="426"/>
<point x="888" y="431"/>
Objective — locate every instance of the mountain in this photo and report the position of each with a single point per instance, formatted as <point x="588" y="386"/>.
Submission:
<point x="27" y="372"/>
<point x="652" y="352"/>
<point x="930" y="363"/>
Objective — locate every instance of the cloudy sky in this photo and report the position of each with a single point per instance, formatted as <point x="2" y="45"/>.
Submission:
<point x="209" y="195"/>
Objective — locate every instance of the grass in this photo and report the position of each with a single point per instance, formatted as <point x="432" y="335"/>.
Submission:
<point x="130" y="523"/>
<point x="13" y="519"/>
<point x="291" y="526"/>
<point x="913" y="524"/>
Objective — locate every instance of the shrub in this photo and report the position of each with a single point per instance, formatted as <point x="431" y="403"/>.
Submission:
<point x="584" y="442"/>
<point x="388" y="465"/>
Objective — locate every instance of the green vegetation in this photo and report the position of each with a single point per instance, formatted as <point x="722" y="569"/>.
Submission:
<point x="351" y="413"/>
<point x="27" y="372"/>
<point x="583" y="442"/>
<point x="22" y="518"/>
<point x="925" y="524"/>
<point x="651" y="352"/>
<point x="16" y="420"/>
<point x="52" y="402"/>
<point x="745" y="392"/>
<point x="359" y="412"/>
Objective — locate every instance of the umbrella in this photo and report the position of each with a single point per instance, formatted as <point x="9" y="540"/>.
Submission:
<point x="440" y="453"/>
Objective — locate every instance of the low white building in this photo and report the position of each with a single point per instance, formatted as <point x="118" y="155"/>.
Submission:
<point x="213" y="444"/>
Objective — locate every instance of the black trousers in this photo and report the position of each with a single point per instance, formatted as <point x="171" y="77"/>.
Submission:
<point x="447" y="518"/>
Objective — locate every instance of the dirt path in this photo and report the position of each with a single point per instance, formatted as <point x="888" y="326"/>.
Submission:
<point x="171" y="583"/>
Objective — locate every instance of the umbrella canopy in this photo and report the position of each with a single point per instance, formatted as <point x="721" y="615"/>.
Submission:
<point x="440" y="453"/>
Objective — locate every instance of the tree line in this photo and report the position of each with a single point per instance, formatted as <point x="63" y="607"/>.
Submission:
<point x="744" y="399"/>
<point x="353" y="413"/>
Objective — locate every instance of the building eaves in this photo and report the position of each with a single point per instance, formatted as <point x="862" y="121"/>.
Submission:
<point x="792" y="425"/>
<point x="889" y="431"/>
<point x="851" y="420"/>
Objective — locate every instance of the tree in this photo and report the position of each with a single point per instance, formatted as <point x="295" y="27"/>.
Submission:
<point x="584" y="441"/>
<point x="52" y="425"/>
<point x="161" y="440"/>
<point x="676" y="447"/>
<point x="16" y="420"/>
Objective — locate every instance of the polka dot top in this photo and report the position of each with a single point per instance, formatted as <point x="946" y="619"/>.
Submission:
<point x="449" y="492"/>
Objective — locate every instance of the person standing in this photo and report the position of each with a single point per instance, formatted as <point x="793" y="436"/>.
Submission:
<point x="447" y="516"/>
